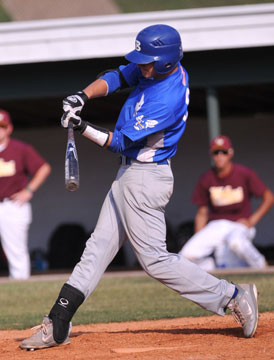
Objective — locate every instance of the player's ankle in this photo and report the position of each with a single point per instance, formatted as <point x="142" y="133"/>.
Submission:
<point x="66" y="305"/>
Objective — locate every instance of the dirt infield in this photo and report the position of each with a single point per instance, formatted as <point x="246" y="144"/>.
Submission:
<point x="203" y="338"/>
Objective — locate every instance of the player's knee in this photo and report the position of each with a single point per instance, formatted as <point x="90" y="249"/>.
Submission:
<point x="151" y="265"/>
<point x="239" y="245"/>
<point x="63" y="310"/>
<point x="155" y="266"/>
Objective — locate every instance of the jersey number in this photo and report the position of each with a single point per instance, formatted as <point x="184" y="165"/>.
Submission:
<point x="187" y="96"/>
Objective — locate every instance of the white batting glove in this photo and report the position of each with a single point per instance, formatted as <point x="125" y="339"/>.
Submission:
<point x="67" y="116"/>
<point x="74" y="103"/>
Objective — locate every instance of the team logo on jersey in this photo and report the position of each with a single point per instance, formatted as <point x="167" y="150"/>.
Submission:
<point x="151" y="123"/>
<point x="139" y="104"/>
<point x="140" y="122"/>
<point x="226" y="195"/>
<point x="139" y="125"/>
<point x="7" y="168"/>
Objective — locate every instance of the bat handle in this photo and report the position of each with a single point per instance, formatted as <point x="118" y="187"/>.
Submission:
<point x="70" y="124"/>
<point x="70" y="131"/>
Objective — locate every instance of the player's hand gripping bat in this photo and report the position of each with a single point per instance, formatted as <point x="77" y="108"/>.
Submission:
<point x="71" y="162"/>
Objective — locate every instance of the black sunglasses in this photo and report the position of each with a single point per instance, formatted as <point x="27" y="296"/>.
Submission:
<point x="219" y="151"/>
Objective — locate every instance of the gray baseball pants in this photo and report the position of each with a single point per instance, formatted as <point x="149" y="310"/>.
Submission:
<point x="134" y="209"/>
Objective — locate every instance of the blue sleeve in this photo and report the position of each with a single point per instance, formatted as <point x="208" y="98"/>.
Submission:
<point x="119" y="142"/>
<point x="131" y="74"/>
<point x="113" y="78"/>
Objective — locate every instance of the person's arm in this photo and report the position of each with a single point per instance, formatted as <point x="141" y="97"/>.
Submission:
<point x="201" y="218"/>
<point x="96" y="89"/>
<point x="36" y="181"/>
<point x="266" y="204"/>
<point x="73" y="104"/>
<point x="109" y="82"/>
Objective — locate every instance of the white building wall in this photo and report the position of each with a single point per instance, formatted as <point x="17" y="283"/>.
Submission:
<point x="113" y="35"/>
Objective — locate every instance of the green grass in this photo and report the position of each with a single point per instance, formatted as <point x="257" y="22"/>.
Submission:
<point x="128" y="6"/>
<point x="23" y="304"/>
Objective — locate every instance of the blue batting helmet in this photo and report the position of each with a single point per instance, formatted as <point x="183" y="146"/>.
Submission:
<point x="160" y="44"/>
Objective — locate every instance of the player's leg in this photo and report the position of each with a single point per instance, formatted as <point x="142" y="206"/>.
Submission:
<point x="101" y="248"/>
<point x="202" y="245"/>
<point x="14" y="226"/>
<point x="141" y="196"/>
<point x="225" y="258"/>
<point x="240" y="243"/>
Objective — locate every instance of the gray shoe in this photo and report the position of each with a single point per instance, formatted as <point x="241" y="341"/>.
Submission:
<point x="43" y="337"/>
<point x="244" y="308"/>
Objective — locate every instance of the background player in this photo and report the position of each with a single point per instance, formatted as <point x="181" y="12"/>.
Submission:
<point x="224" y="223"/>
<point x="22" y="172"/>
<point x="149" y="126"/>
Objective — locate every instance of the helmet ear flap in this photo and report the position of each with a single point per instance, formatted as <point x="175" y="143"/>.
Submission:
<point x="168" y="60"/>
<point x="162" y="67"/>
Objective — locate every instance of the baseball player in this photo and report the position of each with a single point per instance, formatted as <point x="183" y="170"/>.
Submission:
<point x="148" y="128"/>
<point x="22" y="172"/>
<point x="224" y="223"/>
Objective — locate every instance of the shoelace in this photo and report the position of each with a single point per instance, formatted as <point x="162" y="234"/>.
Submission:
<point x="42" y="326"/>
<point x="237" y="314"/>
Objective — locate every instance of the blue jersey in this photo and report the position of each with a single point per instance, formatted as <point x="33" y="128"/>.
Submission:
<point x="154" y="115"/>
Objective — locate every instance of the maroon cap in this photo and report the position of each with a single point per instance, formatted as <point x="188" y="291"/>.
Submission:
<point x="4" y="118"/>
<point x="220" y="142"/>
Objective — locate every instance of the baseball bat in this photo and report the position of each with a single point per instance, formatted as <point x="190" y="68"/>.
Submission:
<point x="71" y="162"/>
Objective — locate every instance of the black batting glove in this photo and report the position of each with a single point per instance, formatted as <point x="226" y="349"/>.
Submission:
<point x="74" y="103"/>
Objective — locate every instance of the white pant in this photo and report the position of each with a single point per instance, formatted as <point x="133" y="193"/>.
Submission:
<point x="134" y="210"/>
<point x="14" y="225"/>
<point x="229" y="241"/>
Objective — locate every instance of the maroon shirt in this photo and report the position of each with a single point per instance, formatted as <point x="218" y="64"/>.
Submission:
<point x="228" y="197"/>
<point x="18" y="162"/>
